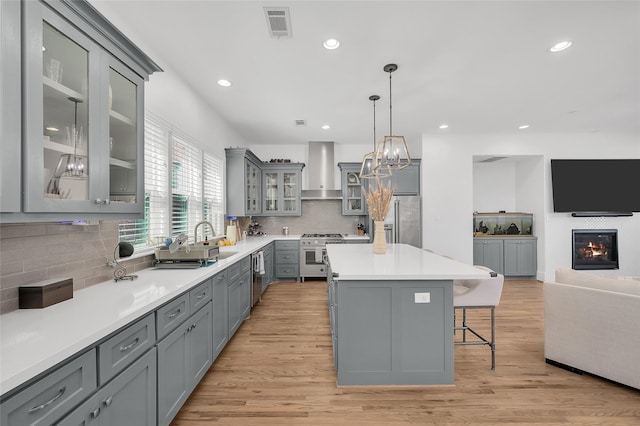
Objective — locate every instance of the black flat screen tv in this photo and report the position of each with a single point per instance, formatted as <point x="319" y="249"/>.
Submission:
<point x="581" y="186"/>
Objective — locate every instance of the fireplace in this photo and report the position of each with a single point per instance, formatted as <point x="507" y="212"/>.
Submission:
<point x="595" y="249"/>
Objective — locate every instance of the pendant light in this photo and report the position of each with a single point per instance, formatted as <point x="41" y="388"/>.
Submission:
<point x="369" y="168"/>
<point x="392" y="150"/>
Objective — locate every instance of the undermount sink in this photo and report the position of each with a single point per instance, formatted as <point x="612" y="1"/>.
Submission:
<point x="225" y="254"/>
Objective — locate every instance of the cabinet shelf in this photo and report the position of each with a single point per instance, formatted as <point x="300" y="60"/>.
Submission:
<point x="62" y="89"/>
<point x="62" y="148"/>
<point x="131" y="165"/>
<point x="121" y="117"/>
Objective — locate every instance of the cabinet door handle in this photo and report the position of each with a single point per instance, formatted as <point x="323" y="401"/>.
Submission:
<point x="107" y="402"/>
<point x="49" y="402"/>
<point x="95" y="413"/>
<point x="130" y="345"/>
<point x="200" y="296"/>
<point x="174" y="314"/>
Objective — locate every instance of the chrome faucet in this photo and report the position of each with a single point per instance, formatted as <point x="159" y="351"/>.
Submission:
<point x="195" y="231"/>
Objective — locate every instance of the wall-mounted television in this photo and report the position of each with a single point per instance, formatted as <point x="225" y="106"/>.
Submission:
<point x="591" y="186"/>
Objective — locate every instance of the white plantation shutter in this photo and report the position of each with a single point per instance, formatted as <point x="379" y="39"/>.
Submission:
<point x="183" y="186"/>
<point x="155" y="226"/>
<point x="186" y="186"/>
<point x="213" y="196"/>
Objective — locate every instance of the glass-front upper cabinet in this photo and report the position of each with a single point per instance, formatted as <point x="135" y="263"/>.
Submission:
<point x="282" y="189"/>
<point x="353" y="197"/>
<point x="83" y="128"/>
<point x="253" y="189"/>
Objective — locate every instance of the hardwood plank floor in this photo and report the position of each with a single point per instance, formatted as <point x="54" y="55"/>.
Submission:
<point x="278" y="370"/>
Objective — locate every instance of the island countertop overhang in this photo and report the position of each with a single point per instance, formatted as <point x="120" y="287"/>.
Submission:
<point x="400" y="262"/>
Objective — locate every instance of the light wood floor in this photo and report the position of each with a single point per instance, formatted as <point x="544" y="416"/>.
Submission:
<point x="277" y="370"/>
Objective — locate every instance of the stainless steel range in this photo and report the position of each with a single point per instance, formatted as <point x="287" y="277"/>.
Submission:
<point x="313" y="253"/>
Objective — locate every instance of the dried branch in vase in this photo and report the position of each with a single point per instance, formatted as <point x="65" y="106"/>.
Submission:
<point x="379" y="200"/>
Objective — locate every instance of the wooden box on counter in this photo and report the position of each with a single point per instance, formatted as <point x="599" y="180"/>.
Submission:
<point x="45" y="293"/>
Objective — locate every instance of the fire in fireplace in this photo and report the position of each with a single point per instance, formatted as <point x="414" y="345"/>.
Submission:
<point x="595" y="249"/>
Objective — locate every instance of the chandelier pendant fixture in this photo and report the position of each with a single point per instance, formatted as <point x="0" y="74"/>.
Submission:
<point x="369" y="168"/>
<point x="392" y="152"/>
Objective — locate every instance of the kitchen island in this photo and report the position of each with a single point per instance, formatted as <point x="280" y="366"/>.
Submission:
<point x="392" y="314"/>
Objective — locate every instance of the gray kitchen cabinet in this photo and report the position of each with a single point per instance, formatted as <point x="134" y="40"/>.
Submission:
<point x="10" y="106"/>
<point x="512" y="257"/>
<point x="82" y="101"/>
<point x="382" y="336"/>
<point x="405" y="181"/>
<point x="184" y="356"/>
<point x="50" y="398"/>
<point x="220" y="313"/>
<point x="287" y="259"/>
<point x="520" y="257"/>
<point x="353" y="195"/>
<point x="244" y="182"/>
<point x="129" y="399"/>
<point x="119" y="351"/>
<point x="333" y="314"/>
<point x="269" y="275"/>
<point x="282" y="189"/>
<point x="239" y="294"/>
<point x="489" y="252"/>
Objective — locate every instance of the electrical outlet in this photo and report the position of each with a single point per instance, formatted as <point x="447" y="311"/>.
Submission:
<point x="422" y="297"/>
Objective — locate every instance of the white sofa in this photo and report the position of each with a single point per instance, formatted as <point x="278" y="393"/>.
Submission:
<point x="592" y="324"/>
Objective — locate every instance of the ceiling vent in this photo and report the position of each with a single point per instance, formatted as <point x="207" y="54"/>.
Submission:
<point x="278" y="21"/>
<point x="301" y="123"/>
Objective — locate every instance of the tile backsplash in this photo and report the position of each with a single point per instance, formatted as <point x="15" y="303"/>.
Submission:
<point x="33" y="252"/>
<point x="318" y="216"/>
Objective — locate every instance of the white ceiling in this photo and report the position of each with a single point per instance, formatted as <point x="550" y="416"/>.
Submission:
<point x="479" y="66"/>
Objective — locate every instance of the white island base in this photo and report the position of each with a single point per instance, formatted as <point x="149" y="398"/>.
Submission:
<point x="392" y="314"/>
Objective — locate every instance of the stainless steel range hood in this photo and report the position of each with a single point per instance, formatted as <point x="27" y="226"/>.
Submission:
<point x="321" y="169"/>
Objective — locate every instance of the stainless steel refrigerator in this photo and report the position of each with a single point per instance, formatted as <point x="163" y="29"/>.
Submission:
<point x="403" y="223"/>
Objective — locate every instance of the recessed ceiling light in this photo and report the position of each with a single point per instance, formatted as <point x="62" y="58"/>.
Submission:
<point x="224" y="83"/>
<point x="524" y="126"/>
<point x="444" y="126"/>
<point x="558" y="47"/>
<point x="326" y="127"/>
<point x="331" y="44"/>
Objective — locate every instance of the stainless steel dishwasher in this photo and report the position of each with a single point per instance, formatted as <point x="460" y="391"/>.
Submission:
<point x="257" y="271"/>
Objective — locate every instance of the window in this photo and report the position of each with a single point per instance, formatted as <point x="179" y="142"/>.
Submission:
<point x="176" y="198"/>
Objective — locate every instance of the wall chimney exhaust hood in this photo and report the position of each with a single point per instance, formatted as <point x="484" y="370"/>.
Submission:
<point x="321" y="167"/>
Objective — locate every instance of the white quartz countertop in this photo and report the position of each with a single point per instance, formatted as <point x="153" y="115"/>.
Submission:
<point x="34" y="340"/>
<point x="400" y="262"/>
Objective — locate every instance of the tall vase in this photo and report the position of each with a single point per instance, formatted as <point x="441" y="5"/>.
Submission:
<point x="379" y="238"/>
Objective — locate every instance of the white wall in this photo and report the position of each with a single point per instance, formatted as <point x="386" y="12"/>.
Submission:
<point x="447" y="190"/>
<point x="494" y="186"/>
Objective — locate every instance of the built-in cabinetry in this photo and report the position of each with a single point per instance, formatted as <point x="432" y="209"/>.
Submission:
<point x="505" y="243"/>
<point x="405" y="181"/>
<point x="82" y="102"/>
<point x="287" y="260"/>
<point x="282" y="189"/>
<point x="244" y="182"/>
<point x="220" y="312"/>
<point x="238" y="293"/>
<point x="353" y="196"/>
<point x="510" y="256"/>
<point x="269" y="275"/>
<point x="10" y="106"/>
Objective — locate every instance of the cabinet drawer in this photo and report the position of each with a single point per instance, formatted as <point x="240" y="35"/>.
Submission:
<point x="48" y="399"/>
<point x="287" y="256"/>
<point x="287" y="271"/>
<point x="286" y="245"/>
<point x="234" y="271"/>
<point x="200" y="295"/>
<point x="171" y="315"/>
<point x="125" y="347"/>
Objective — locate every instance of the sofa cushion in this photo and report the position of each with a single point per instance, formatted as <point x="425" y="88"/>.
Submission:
<point x="583" y="279"/>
